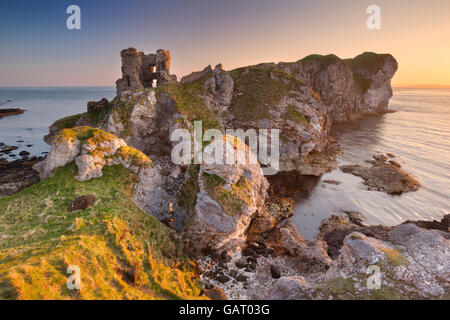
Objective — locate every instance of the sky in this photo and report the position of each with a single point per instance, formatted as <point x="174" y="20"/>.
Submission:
<point x="37" y="49"/>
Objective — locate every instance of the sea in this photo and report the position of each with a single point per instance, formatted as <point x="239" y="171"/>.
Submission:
<point x="417" y="132"/>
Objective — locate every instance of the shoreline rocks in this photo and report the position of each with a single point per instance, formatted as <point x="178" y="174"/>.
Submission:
<point x="384" y="176"/>
<point x="17" y="175"/>
<point x="413" y="263"/>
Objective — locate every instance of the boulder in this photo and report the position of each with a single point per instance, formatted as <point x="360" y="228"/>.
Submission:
<point x="310" y="255"/>
<point x="288" y="288"/>
<point x="82" y="203"/>
<point x="92" y="149"/>
<point x="229" y="197"/>
<point x="384" y="176"/>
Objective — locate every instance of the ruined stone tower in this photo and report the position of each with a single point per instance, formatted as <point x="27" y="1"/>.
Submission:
<point x="139" y="70"/>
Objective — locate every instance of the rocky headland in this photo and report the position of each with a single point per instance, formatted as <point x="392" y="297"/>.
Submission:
<point x="10" y="112"/>
<point x="221" y="231"/>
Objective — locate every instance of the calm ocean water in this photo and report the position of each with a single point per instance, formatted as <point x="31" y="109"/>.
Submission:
<point x="43" y="106"/>
<point x="418" y="133"/>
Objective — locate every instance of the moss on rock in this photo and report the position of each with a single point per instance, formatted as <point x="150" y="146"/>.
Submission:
<point x="136" y="157"/>
<point x="119" y="249"/>
<point x="231" y="200"/>
<point x="258" y="90"/>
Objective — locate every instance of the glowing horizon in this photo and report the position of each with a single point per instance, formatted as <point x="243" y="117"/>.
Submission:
<point x="38" y="50"/>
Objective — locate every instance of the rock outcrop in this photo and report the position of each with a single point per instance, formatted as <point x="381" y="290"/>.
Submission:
<point x="301" y="99"/>
<point x="383" y="175"/>
<point x="17" y="175"/>
<point x="349" y="88"/>
<point x="370" y="262"/>
<point x="228" y="199"/>
<point x="92" y="149"/>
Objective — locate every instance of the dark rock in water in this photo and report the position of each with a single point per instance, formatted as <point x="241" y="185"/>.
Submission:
<point x="24" y="153"/>
<point x="443" y="225"/>
<point x="8" y="149"/>
<point x="384" y="176"/>
<point x="214" y="293"/>
<point x="334" y="230"/>
<point x="275" y="271"/>
<point x="355" y="217"/>
<point x="390" y="155"/>
<point x="29" y="145"/>
<point x="20" y="141"/>
<point x="8" y="101"/>
<point x="395" y="164"/>
<point x="2" y="144"/>
<point x="82" y="202"/>
<point x="10" y="112"/>
<point x="17" y="175"/>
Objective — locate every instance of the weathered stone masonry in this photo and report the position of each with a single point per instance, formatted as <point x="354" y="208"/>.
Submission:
<point x="139" y="70"/>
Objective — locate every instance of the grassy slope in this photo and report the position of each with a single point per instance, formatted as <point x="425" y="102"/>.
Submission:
<point x="122" y="252"/>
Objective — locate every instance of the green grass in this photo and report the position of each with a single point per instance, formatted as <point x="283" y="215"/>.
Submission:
<point x="189" y="102"/>
<point x="108" y="241"/>
<point x="325" y="60"/>
<point x="258" y="90"/>
<point x="68" y="122"/>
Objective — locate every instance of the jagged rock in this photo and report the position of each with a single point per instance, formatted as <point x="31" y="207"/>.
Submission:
<point x="384" y="176"/>
<point x="429" y="250"/>
<point x="215" y="293"/>
<point x="10" y="112"/>
<point x="61" y="153"/>
<point x="443" y="225"/>
<point x="94" y="107"/>
<point x="92" y="149"/>
<point x="311" y="254"/>
<point x="359" y="251"/>
<point x="229" y="197"/>
<point x="266" y="97"/>
<point x="17" y="175"/>
<point x="336" y="228"/>
<point x="276" y="210"/>
<point x="288" y="288"/>
<point x="197" y="75"/>
<point x="349" y="88"/>
<point x="144" y="121"/>
<point x="275" y="271"/>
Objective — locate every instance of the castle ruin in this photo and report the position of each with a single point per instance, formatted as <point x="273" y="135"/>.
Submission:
<point x="140" y="70"/>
